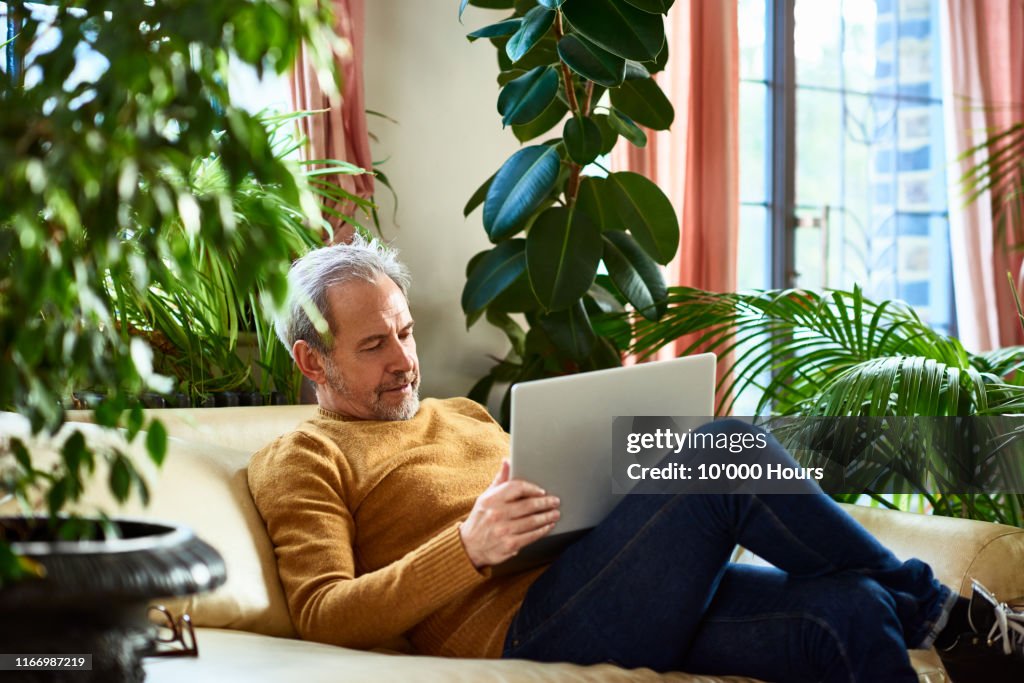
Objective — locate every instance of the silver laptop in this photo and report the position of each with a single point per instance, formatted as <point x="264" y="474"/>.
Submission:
<point x="562" y="435"/>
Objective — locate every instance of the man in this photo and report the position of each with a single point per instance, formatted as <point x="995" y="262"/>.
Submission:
<point x="387" y="516"/>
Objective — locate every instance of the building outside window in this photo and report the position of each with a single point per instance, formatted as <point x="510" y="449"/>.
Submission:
<point x="853" y="88"/>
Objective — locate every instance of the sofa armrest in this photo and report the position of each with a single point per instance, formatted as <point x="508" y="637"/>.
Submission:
<point x="957" y="549"/>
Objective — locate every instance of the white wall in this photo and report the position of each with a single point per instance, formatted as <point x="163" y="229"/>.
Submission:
<point x="421" y="71"/>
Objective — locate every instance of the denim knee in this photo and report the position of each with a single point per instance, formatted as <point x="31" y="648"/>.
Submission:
<point x="858" y="626"/>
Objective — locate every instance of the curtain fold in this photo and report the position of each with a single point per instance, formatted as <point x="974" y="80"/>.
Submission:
<point x="340" y="131"/>
<point x="696" y="163"/>
<point x="984" y="72"/>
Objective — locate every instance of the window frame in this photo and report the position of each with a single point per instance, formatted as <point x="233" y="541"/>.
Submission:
<point x="780" y="135"/>
<point x="780" y="206"/>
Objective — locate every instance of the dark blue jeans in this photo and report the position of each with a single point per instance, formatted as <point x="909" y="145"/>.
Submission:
<point x="652" y="586"/>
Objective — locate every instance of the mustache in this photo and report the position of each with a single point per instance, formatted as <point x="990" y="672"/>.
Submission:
<point x="410" y="378"/>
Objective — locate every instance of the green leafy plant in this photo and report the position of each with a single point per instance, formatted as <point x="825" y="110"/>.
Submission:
<point x="197" y="328"/>
<point x="840" y="354"/>
<point x="95" y="194"/>
<point x="572" y="242"/>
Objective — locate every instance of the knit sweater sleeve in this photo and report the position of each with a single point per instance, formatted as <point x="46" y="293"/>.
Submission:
<point x="299" y="493"/>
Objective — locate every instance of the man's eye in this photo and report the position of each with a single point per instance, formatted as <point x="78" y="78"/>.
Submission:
<point x="375" y="347"/>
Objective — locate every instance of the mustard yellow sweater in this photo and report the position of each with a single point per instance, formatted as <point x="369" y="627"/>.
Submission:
<point x="364" y="518"/>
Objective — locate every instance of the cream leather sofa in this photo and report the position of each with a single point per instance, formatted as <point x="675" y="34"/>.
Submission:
<point x="245" y="633"/>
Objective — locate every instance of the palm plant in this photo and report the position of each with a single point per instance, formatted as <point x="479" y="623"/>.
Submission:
<point x="840" y="354"/>
<point x="1000" y="172"/>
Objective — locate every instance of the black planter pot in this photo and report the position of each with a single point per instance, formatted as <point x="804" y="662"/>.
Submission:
<point x="88" y="400"/>
<point x="94" y="597"/>
<point x="250" y="398"/>
<point x="225" y="399"/>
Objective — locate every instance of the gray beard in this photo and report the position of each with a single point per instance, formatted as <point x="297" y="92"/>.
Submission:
<point x="405" y="410"/>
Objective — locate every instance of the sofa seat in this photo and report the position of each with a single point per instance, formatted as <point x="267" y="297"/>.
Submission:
<point x="229" y="655"/>
<point x="245" y="631"/>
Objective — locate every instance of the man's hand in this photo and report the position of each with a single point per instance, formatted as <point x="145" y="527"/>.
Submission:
<point x="510" y="514"/>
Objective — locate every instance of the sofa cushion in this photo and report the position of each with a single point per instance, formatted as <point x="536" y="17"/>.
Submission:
<point x="206" y="488"/>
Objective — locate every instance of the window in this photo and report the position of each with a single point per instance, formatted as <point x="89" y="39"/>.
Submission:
<point x="842" y="161"/>
<point x="255" y="93"/>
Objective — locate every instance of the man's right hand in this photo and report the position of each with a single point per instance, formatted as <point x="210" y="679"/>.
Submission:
<point x="509" y="515"/>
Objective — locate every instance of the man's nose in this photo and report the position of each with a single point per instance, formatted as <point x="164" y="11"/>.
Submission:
<point x="403" y="359"/>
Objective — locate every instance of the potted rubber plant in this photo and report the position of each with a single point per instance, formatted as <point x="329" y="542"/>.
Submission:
<point x="572" y="241"/>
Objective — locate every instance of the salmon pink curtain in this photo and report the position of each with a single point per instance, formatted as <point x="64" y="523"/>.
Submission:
<point x="984" y="73"/>
<point x="340" y="131"/>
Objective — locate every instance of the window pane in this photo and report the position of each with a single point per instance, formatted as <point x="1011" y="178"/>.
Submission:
<point x="809" y="248"/>
<point x="921" y="159"/>
<point x="254" y="93"/>
<point x="816" y="42"/>
<point x="753" y="111"/>
<point x="924" y="269"/>
<point x="819" y="122"/>
<point x="860" y="40"/>
<point x="754" y="260"/>
<point x="754" y="249"/>
<point x="752" y="33"/>
<point x="908" y="48"/>
<point x="870" y="168"/>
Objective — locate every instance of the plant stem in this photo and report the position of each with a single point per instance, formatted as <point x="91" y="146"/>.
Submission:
<point x="572" y="187"/>
<point x="590" y="96"/>
<point x="570" y="91"/>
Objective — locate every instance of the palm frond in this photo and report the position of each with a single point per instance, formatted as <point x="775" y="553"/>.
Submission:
<point x="1000" y="172"/>
<point x="836" y="353"/>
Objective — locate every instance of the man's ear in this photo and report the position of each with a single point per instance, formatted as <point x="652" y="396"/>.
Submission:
<point x="309" y="361"/>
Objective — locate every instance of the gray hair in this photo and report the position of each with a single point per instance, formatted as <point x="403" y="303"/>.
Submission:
<point x="312" y="275"/>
